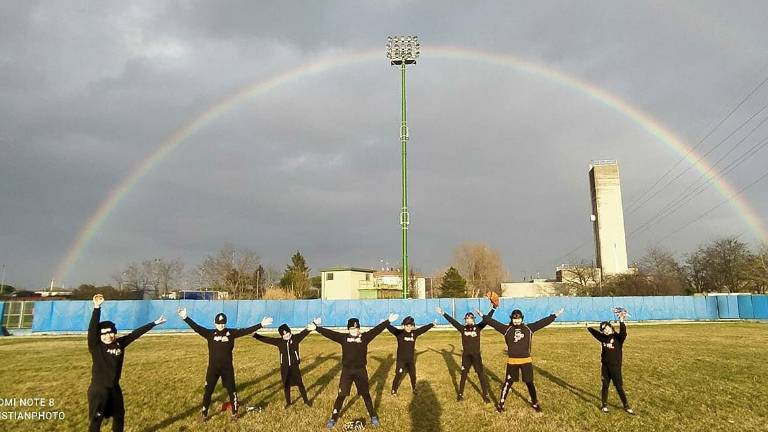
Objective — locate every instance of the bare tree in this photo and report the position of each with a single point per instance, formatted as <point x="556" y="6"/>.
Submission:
<point x="481" y="266"/>
<point x="721" y="266"/>
<point x="759" y="270"/>
<point x="581" y="279"/>
<point x="664" y="275"/>
<point x="230" y="270"/>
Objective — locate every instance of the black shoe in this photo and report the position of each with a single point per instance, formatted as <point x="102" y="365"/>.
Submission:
<point x="499" y="408"/>
<point x="486" y="399"/>
<point x="459" y="398"/>
<point x="415" y="391"/>
<point x="308" y="403"/>
<point x="536" y="407"/>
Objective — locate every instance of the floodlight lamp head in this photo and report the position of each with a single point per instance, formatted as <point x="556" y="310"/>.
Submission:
<point x="403" y="49"/>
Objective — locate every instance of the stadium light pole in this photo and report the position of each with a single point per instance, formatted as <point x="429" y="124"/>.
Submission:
<point x="403" y="51"/>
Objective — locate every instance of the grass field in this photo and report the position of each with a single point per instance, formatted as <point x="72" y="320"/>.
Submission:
<point x="679" y="377"/>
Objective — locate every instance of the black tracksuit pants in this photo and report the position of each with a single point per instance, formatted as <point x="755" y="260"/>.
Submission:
<point x="612" y="373"/>
<point x="476" y="361"/>
<point x="227" y="374"/>
<point x="293" y="378"/>
<point x="513" y="375"/>
<point x="404" y="367"/>
<point x="105" y="402"/>
<point x="359" y="377"/>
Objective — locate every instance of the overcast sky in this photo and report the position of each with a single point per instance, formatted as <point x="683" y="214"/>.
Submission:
<point x="88" y="90"/>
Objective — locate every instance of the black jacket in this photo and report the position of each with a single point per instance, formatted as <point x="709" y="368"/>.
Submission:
<point x="407" y="340"/>
<point x="220" y="343"/>
<point x="613" y="345"/>
<point x="108" y="359"/>
<point x="470" y="335"/>
<point x="519" y="338"/>
<point x="288" y="349"/>
<point x="354" y="350"/>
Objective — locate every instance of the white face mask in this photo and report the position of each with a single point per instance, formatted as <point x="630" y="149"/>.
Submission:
<point x="220" y="327"/>
<point x="517" y="321"/>
<point x="408" y="328"/>
<point x="354" y="332"/>
<point x="286" y="335"/>
<point x="607" y="331"/>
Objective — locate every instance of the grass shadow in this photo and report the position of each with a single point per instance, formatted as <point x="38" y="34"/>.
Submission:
<point x="453" y="366"/>
<point x="425" y="409"/>
<point x="578" y="392"/>
<point x="317" y="362"/>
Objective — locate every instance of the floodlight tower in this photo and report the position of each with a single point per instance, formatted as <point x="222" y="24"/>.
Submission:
<point x="402" y="51"/>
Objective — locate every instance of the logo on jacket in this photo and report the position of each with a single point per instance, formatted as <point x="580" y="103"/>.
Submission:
<point x="355" y="339"/>
<point x="222" y="338"/>
<point x="518" y="335"/>
<point x="115" y="351"/>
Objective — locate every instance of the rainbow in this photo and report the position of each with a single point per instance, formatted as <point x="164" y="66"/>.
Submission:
<point x="178" y="137"/>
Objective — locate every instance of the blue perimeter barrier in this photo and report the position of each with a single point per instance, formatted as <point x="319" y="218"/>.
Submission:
<point x="68" y="316"/>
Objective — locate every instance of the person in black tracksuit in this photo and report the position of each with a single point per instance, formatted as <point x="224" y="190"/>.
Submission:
<point x="471" y="356"/>
<point x="519" y="339"/>
<point x="221" y="342"/>
<point x="288" y="347"/>
<point x="354" y="358"/>
<point x="406" y="359"/>
<point x="105" y="397"/>
<point x="611" y="358"/>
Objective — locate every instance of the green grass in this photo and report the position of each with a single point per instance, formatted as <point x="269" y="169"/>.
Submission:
<point x="678" y="377"/>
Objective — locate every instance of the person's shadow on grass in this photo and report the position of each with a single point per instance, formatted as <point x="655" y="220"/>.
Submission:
<point x="453" y="366"/>
<point x="577" y="391"/>
<point x="425" y="409"/>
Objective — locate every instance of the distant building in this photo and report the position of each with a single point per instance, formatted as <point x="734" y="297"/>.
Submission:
<point x="533" y="288"/>
<point x="351" y="283"/>
<point x="608" y="217"/>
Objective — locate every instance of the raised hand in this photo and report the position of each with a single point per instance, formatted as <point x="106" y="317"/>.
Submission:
<point x="439" y="310"/>
<point x="98" y="299"/>
<point x="559" y="312"/>
<point x="434" y="321"/>
<point x="266" y="321"/>
<point x="478" y="313"/>
<point x="160" y="320"/>
<point x="392" y="317"/>
<point x="182" y="312"/>
<point x="317" y="321"/>
<point x="311" y="326"/>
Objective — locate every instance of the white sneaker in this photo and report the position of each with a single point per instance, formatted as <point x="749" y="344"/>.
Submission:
<point x="604" y="409"/>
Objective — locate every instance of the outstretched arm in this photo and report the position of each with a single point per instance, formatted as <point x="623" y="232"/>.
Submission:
<point x="267" y="339"/>
<point x="622" y="331"/>
<point x="372" y="333"/>
<point x="302" y="334"/>
<point x="332" y="335"/>
<point x="392" y="329"/>
<point x="596" y="334"/>
<point x="423" y="329"/>
<point x="93" y="328"/>
<point x="239" y="332"/>
<point x="453" y="322"/>
<point x="485" y="322"/>
<point x="132" y="336"/>
<point x="540" y="324"/>
<point x="202" y="331"/>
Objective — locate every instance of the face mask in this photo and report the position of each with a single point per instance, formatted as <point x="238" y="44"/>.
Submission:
<point x="409" y="328"/>
<point x="220" y="327"/>
<point x="354" y="332"/>
<point x="286" y="335"/>
<point x="607" y="331"/>
<point x="517" y="321"/>
<point x="108" y="338"/>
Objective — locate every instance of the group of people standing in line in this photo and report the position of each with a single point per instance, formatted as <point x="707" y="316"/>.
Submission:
<point x="105" y="398"/>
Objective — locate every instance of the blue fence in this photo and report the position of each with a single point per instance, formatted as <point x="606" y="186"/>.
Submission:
<point x="63" y="316"/>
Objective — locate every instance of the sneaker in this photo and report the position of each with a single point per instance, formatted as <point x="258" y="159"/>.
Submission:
<point x="459" y="398"/>
<point x="203" y="417"/>
<point x="233" y="417"/>
<point x="308" y="403"/>
<point x="536" y="407"/>
<point x="499" y="407"/>
<point x="629" y="411"/>
<point x="415" y="391"/>
<point x="330" y="423"/>
<point x="486" y="399"/>
<point x="604" y="409"/>
<point x="375" y="421"/>
<point x="393" y="393"/>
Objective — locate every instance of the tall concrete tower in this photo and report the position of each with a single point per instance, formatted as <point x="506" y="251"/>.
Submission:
<point x="608" y="217"/>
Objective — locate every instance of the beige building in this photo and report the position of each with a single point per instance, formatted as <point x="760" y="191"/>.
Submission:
<point x="534" y="288"/>
<point x="344" y="283"/>
<point x="608" y="217"/>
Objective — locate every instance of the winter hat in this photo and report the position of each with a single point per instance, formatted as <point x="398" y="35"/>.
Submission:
<point x="220" y="319"/>
<point x="353" y="323"/>
<point x="283" y="329"/>
<point x="409" y="320"/>
<point x="107" y="325"/>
